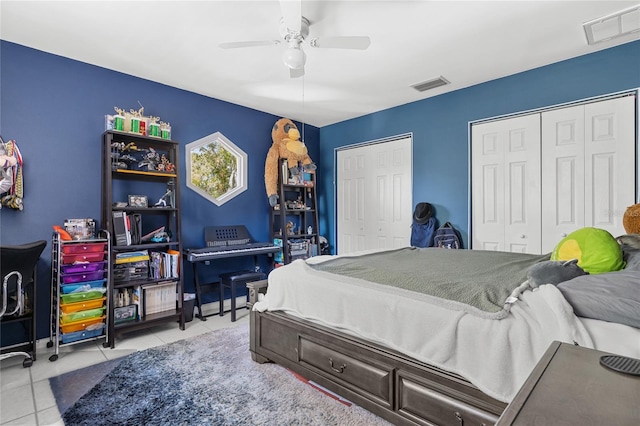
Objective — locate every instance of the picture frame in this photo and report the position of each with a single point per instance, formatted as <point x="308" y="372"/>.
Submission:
<point x="138" y="201"/>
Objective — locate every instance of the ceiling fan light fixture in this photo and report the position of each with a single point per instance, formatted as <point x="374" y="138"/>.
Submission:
<point x="294" y="57"/>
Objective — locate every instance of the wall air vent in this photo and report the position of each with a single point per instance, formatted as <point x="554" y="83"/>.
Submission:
<point x="615" y="25"/>
<point x="430" y="84"/>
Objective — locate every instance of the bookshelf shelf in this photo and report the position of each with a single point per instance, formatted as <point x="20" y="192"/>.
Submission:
<point x="146" y="240"/>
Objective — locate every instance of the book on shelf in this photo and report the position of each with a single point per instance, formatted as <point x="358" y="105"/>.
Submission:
<point x="164" y="264"/>
<point x="120" y="228"/>
<point x="132" y="256"/>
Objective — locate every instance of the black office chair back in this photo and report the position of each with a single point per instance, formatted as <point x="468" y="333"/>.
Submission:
<point x="17" y="271"/>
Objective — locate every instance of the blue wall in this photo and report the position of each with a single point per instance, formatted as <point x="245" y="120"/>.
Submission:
<point x="440" y="126"/>
<point x="54" y="108"/>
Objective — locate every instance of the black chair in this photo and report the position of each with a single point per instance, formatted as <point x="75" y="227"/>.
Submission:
<point x="18" y="297"/>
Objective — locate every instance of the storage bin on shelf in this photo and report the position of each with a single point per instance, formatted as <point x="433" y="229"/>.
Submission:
<point x="83" y="334"/>
<point x="81" y="325"/>
<point x="67" y="318"/>
<point x="125" y="313"/>
<point x="84" y="248"/>
<point x="70" y="288"/>
<point x="82" y="257"/>
<point x="81" y="277"/>
<point x="81" y="295"/>
<point x="77" y="268"/>
<point x="67" y="308"/>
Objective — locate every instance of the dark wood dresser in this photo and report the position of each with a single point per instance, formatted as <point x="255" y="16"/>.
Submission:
<point x="569" y="386"/>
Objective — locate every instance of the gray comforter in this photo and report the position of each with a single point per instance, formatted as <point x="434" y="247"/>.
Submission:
<point x="482" y="279"/>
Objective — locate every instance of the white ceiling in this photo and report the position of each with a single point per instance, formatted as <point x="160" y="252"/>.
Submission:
<point x="176" y="43"/>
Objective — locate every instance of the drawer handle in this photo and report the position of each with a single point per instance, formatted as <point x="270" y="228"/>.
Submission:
<point x="337" y="370"/>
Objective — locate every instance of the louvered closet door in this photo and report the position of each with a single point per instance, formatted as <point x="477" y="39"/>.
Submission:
<point x="588" y="174"/>
<point x="505" y="182"/>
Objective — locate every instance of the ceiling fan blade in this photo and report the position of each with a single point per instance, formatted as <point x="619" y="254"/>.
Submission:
<point x="296" y="73"/>
<point x="344" y="42"/>
<point x="292" y="14"/>
<point x="236" y="44"/>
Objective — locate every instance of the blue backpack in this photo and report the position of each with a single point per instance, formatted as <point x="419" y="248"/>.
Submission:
<point x="447" y="237"/>
<point x="422" y="233"/>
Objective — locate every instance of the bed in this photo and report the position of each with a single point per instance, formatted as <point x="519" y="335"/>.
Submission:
<point x="453" y="353"/>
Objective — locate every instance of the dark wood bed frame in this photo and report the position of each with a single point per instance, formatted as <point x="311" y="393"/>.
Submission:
<point x="391" y="385"/>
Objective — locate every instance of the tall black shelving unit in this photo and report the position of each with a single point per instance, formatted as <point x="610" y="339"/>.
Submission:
<point x="123" y="176"/>
<point x="294" y="220"/>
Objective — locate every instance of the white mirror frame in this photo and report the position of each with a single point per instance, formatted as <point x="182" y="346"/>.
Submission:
<point x="241" y="173"/>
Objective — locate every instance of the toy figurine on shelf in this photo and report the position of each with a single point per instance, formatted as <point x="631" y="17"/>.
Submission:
<point x="150" y="160"/>
<point x="291" y="228"/>
<point x="168" y="199"/>
<point x="165" y="165"/>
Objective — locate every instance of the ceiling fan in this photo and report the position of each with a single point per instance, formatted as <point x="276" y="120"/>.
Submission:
<point x="294" y="30"/>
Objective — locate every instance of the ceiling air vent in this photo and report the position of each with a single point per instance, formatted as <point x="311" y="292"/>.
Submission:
<point x="609" y="27"/>
<point x="430" y="84"/>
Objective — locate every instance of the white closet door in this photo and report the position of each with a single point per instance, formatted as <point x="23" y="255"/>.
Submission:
<point x="374" y="189"/>
<point x="506" y="185"/>
<point x="588" y="171"/>
<point x="350" y="202"/>
<point x="609" y="163"/>
<point x="390" y="175"/>
<point x="563" y="174"/>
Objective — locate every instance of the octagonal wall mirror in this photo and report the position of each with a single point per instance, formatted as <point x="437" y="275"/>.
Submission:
<point x="216" y="168"/>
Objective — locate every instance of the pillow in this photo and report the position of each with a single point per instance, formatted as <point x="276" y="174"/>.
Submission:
<point x="613" y="297"/>
<point x="632" y="257"/>
<point x="630" y="244"/>
<point x="596" y="249"/>
<point x="553" y="272"/>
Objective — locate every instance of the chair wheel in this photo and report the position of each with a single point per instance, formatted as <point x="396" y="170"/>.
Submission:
<point x="49" y="344"/>
<point x="53" y="357"/>
<point x="28" y="362"/>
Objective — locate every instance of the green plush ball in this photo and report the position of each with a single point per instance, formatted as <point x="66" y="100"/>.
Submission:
<point x="597" y="250"/>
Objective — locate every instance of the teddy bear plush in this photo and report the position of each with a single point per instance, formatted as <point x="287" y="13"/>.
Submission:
<point x="286" y="144"/>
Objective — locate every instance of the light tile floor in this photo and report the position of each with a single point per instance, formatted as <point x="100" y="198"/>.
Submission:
<point x="26" y="397"/>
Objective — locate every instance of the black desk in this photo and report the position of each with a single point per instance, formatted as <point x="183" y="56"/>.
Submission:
<point x="196" y="257"/>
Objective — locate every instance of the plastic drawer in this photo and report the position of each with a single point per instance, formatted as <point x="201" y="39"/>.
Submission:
<point x="68" y="308"/>
<point x="76" y="268"/>
<point x="81" y="335"/>
<point x="81" y="295"/>
<point x="81" y="325"/>
<point x="84" y="257"/>
<point x="69" y="288"/>
<point x="81" y="315"/>
<point x="76" y="278"/>
<point x="83" y="248"/>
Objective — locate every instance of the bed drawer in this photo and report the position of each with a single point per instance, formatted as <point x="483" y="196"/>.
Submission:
<point x="419" y="399"/>
<point x="368" y="378"/>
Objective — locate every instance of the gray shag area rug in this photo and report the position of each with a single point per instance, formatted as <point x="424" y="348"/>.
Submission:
<point x="204" y="380"/>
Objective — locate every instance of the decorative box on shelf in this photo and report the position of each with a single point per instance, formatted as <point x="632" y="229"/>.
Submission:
<point x="159" y="297"/>
<point x="125" y="313"/>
